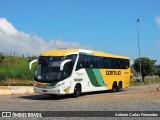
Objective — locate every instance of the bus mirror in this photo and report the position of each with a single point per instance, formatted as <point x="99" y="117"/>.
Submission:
<point x="30" y="64"/>
<point x="63" y="63"/>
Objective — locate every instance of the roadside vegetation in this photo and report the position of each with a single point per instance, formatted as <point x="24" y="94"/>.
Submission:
<point x="147" y="66"/>
<point x="15" y="71"/>
<point x="147" y="81"/>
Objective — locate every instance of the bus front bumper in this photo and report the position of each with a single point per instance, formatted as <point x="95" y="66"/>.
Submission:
<point x="57" y="90"/>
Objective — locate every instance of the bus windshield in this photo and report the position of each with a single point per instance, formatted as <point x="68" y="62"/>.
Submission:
<point x="48" y="68"/>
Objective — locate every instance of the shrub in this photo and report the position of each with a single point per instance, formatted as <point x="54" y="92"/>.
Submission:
<point x="2" y="57"/>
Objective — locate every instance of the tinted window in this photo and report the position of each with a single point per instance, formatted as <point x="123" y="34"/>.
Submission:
<point x="108" y="63"/>
<point x="85" y="61"/>
<point x="100" y="62"/>
<point x="127" y="64"/>
<point x="120" y="63"/>
<point x="72" y="57"/>
<point x="82" y="61"/>
<point x="89" y="62"/>
<point x="94" y="62"/>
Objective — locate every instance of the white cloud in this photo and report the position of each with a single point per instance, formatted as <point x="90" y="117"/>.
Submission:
<point x="158" y="21"/>
<point x="7" y="27"/>
<point x="12" y="40"/>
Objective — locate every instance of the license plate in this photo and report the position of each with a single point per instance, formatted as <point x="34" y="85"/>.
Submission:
<point x="44" y="90"/>
<point x="40" y="84"/>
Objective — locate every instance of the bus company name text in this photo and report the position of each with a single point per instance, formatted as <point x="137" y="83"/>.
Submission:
<point x="113" y="72"/>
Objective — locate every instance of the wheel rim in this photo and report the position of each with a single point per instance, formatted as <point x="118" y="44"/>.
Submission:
<point x="114" y="87"/>
<point x="77" y="90"/>
<point x="120" y="86"/>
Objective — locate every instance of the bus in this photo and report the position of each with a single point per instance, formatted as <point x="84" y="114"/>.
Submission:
<point x="76" y="71"/>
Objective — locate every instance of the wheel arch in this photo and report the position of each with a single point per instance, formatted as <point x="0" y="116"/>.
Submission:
<point x="79" y="85"/>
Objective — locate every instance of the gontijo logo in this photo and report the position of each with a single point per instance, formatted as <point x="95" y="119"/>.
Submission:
<point x="113" y="72"/>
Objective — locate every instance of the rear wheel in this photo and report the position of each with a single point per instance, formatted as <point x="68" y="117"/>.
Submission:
<point x="114" y="87"/>
<point x="77" y="91"/>
<point x="119" y="87"/>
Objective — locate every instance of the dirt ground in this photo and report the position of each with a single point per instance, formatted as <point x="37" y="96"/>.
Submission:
<point x="143" y="93"/>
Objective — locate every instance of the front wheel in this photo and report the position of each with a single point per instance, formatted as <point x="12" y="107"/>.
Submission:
<point x="77" y="91"/>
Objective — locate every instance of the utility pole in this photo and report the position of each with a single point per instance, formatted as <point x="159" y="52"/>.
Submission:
<point x="140" y="65"/>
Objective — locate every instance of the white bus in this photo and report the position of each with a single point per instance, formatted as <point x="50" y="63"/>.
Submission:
<point x="75" y="71"/>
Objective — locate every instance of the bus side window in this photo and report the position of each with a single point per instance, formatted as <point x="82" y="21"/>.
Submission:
<point x="124" y="64"/>
<point x="89" y="64"/>
<point x="82" y="62"/>
<point x="100" y="63"/>
<point x="108" y="63"/>
<point x="127" y="64"/>
<point x="94" y="62"/>
<point x="104" y="62"/>
<point x="115" y="63"/>
<point x="121" y="64"/>
<point x="72" y="57"/>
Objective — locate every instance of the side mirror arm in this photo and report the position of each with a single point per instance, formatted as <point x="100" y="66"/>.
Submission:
<point x="30" y="64"/>
<point x="63" y="63"/>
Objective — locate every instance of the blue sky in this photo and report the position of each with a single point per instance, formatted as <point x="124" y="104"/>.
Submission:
<point x="105" y="25"/>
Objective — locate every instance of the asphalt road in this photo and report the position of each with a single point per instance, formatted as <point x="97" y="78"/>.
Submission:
<point x="136" y="98"/>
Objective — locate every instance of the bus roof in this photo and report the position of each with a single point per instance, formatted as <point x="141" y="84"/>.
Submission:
<point x="64" y="52"/>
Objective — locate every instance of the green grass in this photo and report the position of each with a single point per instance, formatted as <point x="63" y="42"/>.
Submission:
<point x="15" y="68"/>
<point x="17" y="82"/>
<point x="147" y="81"/>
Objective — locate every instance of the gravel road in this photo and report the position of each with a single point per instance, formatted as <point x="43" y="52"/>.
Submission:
<point x="135" y="98"/>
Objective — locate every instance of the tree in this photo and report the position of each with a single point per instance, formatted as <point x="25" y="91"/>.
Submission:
<point x="159" y="73"/>
<point x="147" y="66"/>
<point x="1" y="56"/>
<point x="157" y="70"/>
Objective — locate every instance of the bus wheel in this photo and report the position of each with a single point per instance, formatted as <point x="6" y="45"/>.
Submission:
<point x="77" y="91"/>
<point x="114" y="87"/>
<point x="119" y="87"/>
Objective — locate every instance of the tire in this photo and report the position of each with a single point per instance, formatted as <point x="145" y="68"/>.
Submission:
<point x="77" y="91"/>
<point x="119" y="87"/>
<point x="114" y="87"/>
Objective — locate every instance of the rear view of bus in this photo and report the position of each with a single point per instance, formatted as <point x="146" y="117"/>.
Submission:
<point x="75" y="71"/>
